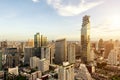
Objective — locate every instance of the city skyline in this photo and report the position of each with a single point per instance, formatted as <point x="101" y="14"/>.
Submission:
<point x="58" y="19"/>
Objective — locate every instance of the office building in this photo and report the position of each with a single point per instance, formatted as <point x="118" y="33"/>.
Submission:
<point x="39" y="41"/>
<point x="71" y="53"/>
<point x="12" y="60"/>
<point x="108" y="47"/>
<point x="100" y="44"/>
<point x="27" y="54"/>
<point x="114" y="56"/>
<point x="34" y="61"/>
<point x="12" y="57"/>
<point x="85" y="39"/>
<point x="66" y="72"/>
<point x="52" y="52"/>
<point x="45" y="52"/>
<point x="0" y="59"/>
<point x="37" y="45"/>
<point x="43" y="41"/>
<point x="92" y="55"/>
<point x="43" y="65"/>
<point x="60" y="51"/>
<point x="77" y="50"/>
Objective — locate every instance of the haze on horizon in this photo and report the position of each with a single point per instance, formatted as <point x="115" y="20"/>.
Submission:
<point x="21" y="19"/>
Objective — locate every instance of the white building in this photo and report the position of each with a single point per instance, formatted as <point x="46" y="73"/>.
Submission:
<point x="13" y="70"/>
<point x="43" y="65"/>
<point x="71" y="53"/>
<point x="113" y="57"/>
<point x="82" y="73"/>
<point x="66" y="72"/>
<point x="34" y="61"/>
<point x="45" y="52"/>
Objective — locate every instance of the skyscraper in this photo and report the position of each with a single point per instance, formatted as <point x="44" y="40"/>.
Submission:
<point x="71" y="52"/>
<point x="100" y="44"/>
<point x="85" y="39"/>
<point x="37" y="45"/>
<point x="27" y="54"/>
<point x="108" y="47"/>
<point x="0" y="59"/>
<point x="39" y="41"/>
<point x="12" y="57"/>
<point x="66" y="72"/>
<point x="43" y="40"/>
<point x="60" y="51"/>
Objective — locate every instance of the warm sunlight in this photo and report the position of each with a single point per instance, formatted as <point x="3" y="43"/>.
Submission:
<point x="115" y="21"/>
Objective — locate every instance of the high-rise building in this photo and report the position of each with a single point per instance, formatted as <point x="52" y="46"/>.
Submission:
<point x="12" y="60"/>
<point x="43" y="65"/>
<point x="66" y="72"/>
<point x="77" y="50"/>
<point x="85" y="39"/>
<point x="45" y="52"/>
<point x="114" y="56"/>
<point x="34" y="62"/>
<point x="108" y="47"/>
<point x="43" y="40"/>
<point x="39" y="41"/>
<point x="92" y="55"/>
<point x="52" y="52"/>
<point x="60" y="51"/>
<point x="0" y="59"/>
<point x="100" y="44"/>
<point x="27" y="54"/>
<point x="71" y="53"/>
<point x="12" y="57"/>
<point x="37" y="45"/>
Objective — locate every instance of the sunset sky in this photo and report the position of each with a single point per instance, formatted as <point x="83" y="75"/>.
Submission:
<point x="21" y="19"/>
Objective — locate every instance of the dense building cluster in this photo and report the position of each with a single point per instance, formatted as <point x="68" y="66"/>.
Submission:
<point x="40" y="59"/>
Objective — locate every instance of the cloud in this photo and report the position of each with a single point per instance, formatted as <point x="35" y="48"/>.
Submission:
<point x="72" y="9"/>
<point x="68" y="8"/>
<point x="36" y="1"/>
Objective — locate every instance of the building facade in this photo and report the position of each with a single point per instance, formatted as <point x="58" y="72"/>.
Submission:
<point x="37" y="45"/>
<point x="27" y="54"/>
<point x="66" y="72"/>
<point x="0" y="59"/>
<point x="43" y="65"/>
<point x="39" y="41"/>
<point x="34" y="61"/>
<point x="71" y="53"/>
<point x="60" y="51"/>
<point x="85" y="39"/>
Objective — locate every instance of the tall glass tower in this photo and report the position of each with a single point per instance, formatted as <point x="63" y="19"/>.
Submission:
<point x="37" y="45"/>
<point x="85" y="39"/>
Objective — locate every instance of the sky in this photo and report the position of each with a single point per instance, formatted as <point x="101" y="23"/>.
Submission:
<point x="21" y="19"/>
